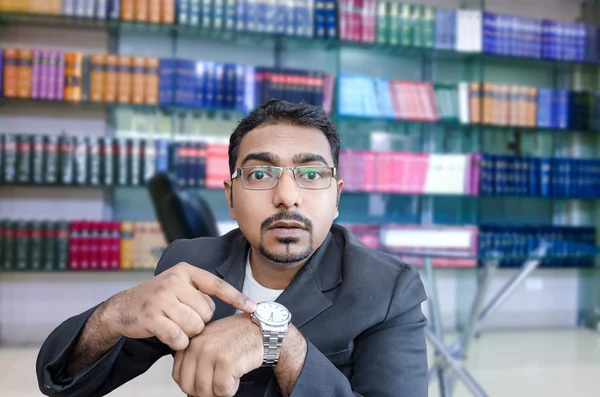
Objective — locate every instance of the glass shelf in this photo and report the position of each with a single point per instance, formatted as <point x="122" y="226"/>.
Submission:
<point x="38" y="271"/>
<point x="112" y="26"/>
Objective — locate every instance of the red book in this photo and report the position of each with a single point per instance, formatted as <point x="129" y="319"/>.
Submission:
<point x="370" y="171"/>
<point x="84" y="245"/>
<point x="115" y="245"/>
<point x="104" y="243"/>
<point x="94" y="245"/>
<point x="75" y="246"/>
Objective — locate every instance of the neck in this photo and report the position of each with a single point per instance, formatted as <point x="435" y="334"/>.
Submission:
<point x="273" y="275"/>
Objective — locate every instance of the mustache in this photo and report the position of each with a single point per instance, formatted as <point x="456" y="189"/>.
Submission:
<point x="287" y="216"/>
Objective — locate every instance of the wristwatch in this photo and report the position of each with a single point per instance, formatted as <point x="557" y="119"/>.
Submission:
<point x="273" y="319"/>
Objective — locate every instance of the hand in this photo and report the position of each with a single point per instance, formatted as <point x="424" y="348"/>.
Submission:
<point x="173" y="306"/>
<point x="215" y="360"/>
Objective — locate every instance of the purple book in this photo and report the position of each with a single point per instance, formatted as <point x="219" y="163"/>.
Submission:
<point x="60" y="76"/>
<point x="45" y="75"/>
<point x="35" y="74"/>
<point x="475" y="174"/>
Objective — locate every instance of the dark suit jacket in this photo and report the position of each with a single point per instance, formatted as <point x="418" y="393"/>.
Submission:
<point x="358" y="308"/>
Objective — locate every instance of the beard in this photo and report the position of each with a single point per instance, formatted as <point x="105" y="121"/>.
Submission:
<point x="290" y="255"/>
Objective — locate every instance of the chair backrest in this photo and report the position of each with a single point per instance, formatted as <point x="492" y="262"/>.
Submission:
<point x="182" y="215"/>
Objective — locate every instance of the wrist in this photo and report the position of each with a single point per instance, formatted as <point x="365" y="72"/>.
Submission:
<point x="108" y="319"/>
<point x="293" y="351"/>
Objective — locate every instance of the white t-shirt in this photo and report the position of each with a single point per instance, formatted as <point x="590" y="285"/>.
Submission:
<point x="253" y="290"/>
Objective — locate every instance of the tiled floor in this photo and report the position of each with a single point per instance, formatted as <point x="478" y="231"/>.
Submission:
<point x="507" y="364"/>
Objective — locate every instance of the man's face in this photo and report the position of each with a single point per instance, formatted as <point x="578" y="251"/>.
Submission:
<point x="287" y="223"/>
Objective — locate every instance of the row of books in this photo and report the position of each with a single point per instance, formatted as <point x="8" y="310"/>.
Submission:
<point x="468" y="103"/>
<point x="80" y="160"/>
<point x="364" y="96"/>
<point x="539" y="177"/>
<point x="569" y="246"/>
<point x="78" y="245"/>
<point x="41" y="74"/>
<point x="368" y="21"/>
<point x="110" y="78"/>
<point x="409" y="173"/>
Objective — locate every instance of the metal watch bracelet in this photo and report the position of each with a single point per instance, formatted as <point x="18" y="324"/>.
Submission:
<point x="272" y="341"/>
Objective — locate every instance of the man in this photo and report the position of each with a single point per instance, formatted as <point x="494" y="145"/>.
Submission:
<point x="356" y="324"/>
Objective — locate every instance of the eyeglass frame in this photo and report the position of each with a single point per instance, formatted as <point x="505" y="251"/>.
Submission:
<point x="238" y="173"/>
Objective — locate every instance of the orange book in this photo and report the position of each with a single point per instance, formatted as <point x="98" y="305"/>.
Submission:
<point x="111" y="78"/>
<point x="167" y="11"/>
<point x="531" y="117"/>
<point x="124" y="80"/>
<point x="127" y="245"/>
<point x="488" y="103"/>
<point x="139" y="80"/>
<point x="55" y="7"/>
<point x="25" y="73"/>
<point x="475" y="102"/>
<point x="128" y="10"/>
<point x="97" y="79"/>
<point x="11" y="72"/>
<point x="73" y="76"/>
<point x="154" y="11"/>
<point x="141" y="10"/>
<point x="151" y="97"/>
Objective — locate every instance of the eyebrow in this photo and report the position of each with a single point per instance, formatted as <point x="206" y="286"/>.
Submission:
<point x="265" y="157"/>
<point x="303" y="158"/>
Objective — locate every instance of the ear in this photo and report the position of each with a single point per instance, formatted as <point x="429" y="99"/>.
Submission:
<point x="340" y="185"/>
<point x="228" y="185"/>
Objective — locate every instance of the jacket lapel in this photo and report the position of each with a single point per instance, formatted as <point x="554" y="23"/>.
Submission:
<point x="233" y="270"/>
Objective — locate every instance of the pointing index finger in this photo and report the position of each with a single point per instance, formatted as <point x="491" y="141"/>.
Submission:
<point x="212" y="285"/>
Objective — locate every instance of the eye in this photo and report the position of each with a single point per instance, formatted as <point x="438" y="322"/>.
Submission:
<point x="260" y="174"/>
<point x="310" y="173"/>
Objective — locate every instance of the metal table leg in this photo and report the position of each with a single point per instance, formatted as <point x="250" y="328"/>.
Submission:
<point x="436" y="323"/>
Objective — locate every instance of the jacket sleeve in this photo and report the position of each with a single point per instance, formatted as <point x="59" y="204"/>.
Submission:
<point x="123" y="362"/>
<point x="390" y="359"/>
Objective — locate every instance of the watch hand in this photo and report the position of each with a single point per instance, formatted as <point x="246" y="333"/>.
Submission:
<point x="271" y="318"/>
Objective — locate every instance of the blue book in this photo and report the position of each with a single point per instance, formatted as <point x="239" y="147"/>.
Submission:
<point x="194" y="12"/>
<point x="490" y="33"/>
<point x="487" y="175"/>
<point x="320" y="19"/>
<point x="241" y="15"/>
<point x="183" y="12"/>
<point x="534" y="177"/>
<point x="251" y="10"/>
<point x="69" y="7"/>
<point x="270" y="17"/>
<point x="544" y="101"/>
<point x="208" y="14"/>
<point x="220" y="87"/>
<point x="166" y="83"/>
<point x="113" y="9"/>
<point x="261" y="10"/>
<point x="101" y="8"/>
<point x="561" y="109"/>
<point x="230" y="14"/>
<point x="330" y="19"/>
<point x="218" y="14"/>
<point x="199" y="85"/>
<point x="545" y="175"/>
<point x="184" y="82"/>
<point x="210" y="86"/>
<point x="301" y="19"/>
<point x="290" y="17"/>
<point x="229" y="99"/>
<point x="249" y="89"/>
<point x="162" y="155"/>
<point x="549" y="39"/>
<point x="240" y="84"/>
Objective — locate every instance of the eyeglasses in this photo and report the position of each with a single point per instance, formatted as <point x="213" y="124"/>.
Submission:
<point x="266" y="177"/>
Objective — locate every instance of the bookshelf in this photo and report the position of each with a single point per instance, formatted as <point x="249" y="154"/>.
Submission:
<point x="338" y="57"/>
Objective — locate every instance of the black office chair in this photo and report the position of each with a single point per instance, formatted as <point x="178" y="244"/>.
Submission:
<point x="182" y="215"/>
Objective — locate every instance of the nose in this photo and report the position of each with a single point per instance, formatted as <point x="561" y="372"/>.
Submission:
<point x="287" y="193"/>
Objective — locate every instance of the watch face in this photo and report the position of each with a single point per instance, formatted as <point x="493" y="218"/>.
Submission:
<point x="272" y="313"/>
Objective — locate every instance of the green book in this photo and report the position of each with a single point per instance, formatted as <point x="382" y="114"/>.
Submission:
<point x="394" y="23"/>
<point x="38" y="159"/>
<point x="405" y="37"/>
<point x="62" y="246"/>
<point x="10" y="158"/>
<point x="49" y="234"/>
<point x="382" y="22"/>
<point x="416" y="26"/>
<point x="23" y="159"/>
<point x="22" y="245"/>
<point x="8" y="251"/>
<point x="428" y="26"/>
<point x="35" y="246"/>
<point x="51" y="160"/>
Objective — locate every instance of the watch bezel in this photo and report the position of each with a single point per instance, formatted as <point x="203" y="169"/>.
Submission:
<point x="272" y="323"/>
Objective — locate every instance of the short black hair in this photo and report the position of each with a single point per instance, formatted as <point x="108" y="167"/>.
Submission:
<point x="282" y="112"/>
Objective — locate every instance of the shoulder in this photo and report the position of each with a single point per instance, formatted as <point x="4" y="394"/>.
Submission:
<point x="204" y="252"/>
<point x="376" y="274"/>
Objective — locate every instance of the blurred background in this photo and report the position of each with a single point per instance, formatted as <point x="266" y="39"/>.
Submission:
<point x="470" y="149"/>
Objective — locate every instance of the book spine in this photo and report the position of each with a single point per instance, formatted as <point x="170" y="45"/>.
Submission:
<point x="127" y="245"/>
<point x="136" y="162"/>
<point x="97" y="77"/>
<point x="107" y="151"/>
<point x="49" y="245"/>
<point x="101" y="9"/>
<point x="114" y="9"/>
<point x="122" y="152"/>
<point x="81" y="161"/>
<point x="166" y="82"/>
<point x="8" y="258"/>
<point x="183" y="12"/>
<point x="35" y="74"/>
<point x="10" y="159"/>
<point x="151" y="81"/>
<point x="67" y="81"/>
<point x="195" y="14"/>
<point x="168" y="11"/>
<point x="68" y="7"/>
<point x="23" y="159"/>
<point x="37" y="159"/>
<point x="149" y="160"/>
<point x="25" y="69"/>
<point x="94" y="245"/>
<point x="208" y="13"/>
<point x="67" y="162"/>
<point x="23" y="245"/>
<point x="95" y="161"/>
<point x="138" y="80"/>
<point x="141" y="10"/>
<point x="124" y="78"/>
<point x="241" y="13"/>
<point x="154" y="11"/>
<point x="128" y="10"/>
<point x="75" y="245"/>
<point x="111" y="79"/>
